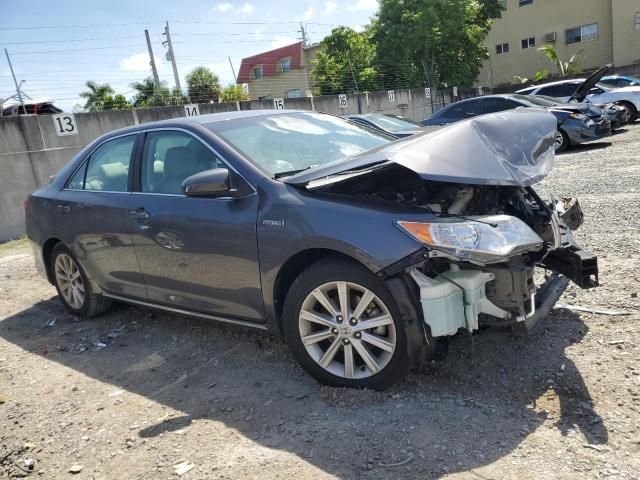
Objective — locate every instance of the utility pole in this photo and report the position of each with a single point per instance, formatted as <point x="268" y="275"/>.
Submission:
<point x="24" y="110"/>
<point x="171" y="56"/>
<point x="152" y="61"/>
<point x="303" y="33"/>
<point x="233" y="70"/>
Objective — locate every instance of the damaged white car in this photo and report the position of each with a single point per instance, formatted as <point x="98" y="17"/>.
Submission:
<point x="368" y="254"/>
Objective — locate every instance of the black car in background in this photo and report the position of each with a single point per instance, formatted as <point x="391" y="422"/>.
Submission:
<point x="573" y="127"/>
<point x="394" y="125"/>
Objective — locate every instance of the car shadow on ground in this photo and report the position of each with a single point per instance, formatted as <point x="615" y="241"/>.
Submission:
<point x="467" y="411"/>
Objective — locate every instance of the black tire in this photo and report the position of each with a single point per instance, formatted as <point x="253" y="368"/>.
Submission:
<point x="332" y="270"/>
<point x="633" y="113"/>
<point x="93" y="304"/>
<point x="565" y="141"/>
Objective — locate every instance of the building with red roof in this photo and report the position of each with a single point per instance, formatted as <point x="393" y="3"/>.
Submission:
<point x="283" y="72"/>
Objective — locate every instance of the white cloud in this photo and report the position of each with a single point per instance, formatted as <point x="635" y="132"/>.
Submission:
<point x="281" y="41"/>
<point x="364" y="6"/>
<point x="308" y="14"/>
<point x="222" y="7"/>
<point x="329" y="7"/>
<point x="137" y="62"/>
<point x="247" y="8"/>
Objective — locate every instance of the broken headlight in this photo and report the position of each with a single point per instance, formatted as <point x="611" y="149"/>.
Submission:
<point x="484" y="239"/>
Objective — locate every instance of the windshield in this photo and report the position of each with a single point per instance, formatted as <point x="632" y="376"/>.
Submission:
<point x="290" y="142"/>
<point x="392" y="123"/>
<point x="536" y="100"/>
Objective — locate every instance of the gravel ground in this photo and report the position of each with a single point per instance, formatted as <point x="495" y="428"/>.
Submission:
<point x="137" y="394"/>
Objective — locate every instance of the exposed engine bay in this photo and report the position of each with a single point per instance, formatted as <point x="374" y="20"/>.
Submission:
<point x="462" y="283"/>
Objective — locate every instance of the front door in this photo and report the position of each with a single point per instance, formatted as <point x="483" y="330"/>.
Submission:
<point x="91" y="218"/>
<point x="195" y="253"/>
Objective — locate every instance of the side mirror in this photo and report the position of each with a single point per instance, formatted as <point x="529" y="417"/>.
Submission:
<point x="210" y="183"/>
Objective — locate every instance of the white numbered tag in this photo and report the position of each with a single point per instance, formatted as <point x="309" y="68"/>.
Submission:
<point x="65" y="124"/>
<point x="455" y="91"/>
<point x="278" y="103"/>
<point x="427" y="92"/>
<point x="391" y="94"/>
<point x="342" y="100"/>
<point x="191" y="110"/>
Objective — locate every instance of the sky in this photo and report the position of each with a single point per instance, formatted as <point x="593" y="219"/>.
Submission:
<point x="56" y="46"/>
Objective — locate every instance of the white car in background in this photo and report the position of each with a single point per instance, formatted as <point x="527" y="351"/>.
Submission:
<point x="589" y="90"/>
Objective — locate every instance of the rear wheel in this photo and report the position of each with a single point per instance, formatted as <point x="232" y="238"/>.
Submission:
<point x="73" y="287"/>
<point x="344" y="327"/>
<point x="561" y="141"/>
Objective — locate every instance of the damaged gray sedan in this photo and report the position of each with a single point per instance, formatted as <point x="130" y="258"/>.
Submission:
<point x="368" y="254"/>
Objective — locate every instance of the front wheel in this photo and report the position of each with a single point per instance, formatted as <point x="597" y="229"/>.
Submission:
<point x="561" y="141"/>
<point x="73" y="286"/>
<point x="344" y="328"/>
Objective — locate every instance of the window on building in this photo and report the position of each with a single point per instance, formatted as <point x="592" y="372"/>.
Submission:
<point x="502" y="48"/>
<point x="284" y="65"/>
<point x="295" y="93"/>
<point x="637" y="21"/>
<point x="581" y="34"/>
<point x="522" y="3"/>
<point x="258" y="72"/>
<point x="529" y="42"/>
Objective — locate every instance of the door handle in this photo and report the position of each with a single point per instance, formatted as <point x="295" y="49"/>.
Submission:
<point x="139" y="214"/>
<point x="64" y="209"/>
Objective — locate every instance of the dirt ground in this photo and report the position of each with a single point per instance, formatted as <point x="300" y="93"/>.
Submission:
<point x="135" y="394"/>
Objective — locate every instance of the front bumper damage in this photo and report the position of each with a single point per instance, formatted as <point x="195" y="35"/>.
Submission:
<point x="467" y="296"/>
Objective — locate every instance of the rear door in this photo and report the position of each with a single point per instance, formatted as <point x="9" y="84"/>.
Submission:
<point x="91" y="217"/>
<point x="195" y="253"/>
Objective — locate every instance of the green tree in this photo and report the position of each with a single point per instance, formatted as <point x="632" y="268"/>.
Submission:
<point x="570" y="67"/>
<point x="345" y="63"/>
<point x="203" y="86"/>
<point x="164" y="97"/>
<point x="234" y="93"/>
<point x="116" y="102"/>
<point x="427" y="42"/>
<point x="96" y="95"/>
<point x="144" y="90"/>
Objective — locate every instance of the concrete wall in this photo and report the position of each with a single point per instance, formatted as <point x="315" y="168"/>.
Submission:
<point x="614" y="19"/>
<point x="31" y="151"/>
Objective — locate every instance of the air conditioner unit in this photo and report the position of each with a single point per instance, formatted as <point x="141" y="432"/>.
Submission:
<point x="550" y="37"/>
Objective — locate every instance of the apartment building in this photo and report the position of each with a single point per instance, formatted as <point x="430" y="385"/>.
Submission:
<point x="607" y="30"/>
<point x="284" y="72"/>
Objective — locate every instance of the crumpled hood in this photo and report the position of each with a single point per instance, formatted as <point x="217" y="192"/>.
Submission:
<point x="583" y="89"/>
<point x="514" y="147"/>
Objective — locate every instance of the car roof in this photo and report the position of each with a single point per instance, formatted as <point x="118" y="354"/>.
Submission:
<point x="203" y="119"/>
<point x="559" y="82"/>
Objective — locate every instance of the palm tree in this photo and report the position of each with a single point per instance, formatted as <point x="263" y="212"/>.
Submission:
<point x="96" y="95"/>
<point x="145" y="90"/>
<point x="203" y="86"/>
<point x="564" y="68"/>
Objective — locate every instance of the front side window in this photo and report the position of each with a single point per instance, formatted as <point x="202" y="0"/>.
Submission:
<point x="284" y="65"/>
<point x="288" y="142"/>
<point x="584" y="33"/>
<point x="502" y="48"/>
<point x="561" y="90"/>
<point x="169" y="157"/>
<point x="529" y="42"/>
<point x="107" y="169"/>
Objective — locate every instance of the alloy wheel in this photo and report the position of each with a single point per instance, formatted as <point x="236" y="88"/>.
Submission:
<point x="69" y="281"/>
<point x="558" y="140"/>
<point x="347" y="330"/>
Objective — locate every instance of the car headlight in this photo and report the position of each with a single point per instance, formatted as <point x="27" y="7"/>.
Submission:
<point x="578" y="116"/>
<point x="485" y="239"/>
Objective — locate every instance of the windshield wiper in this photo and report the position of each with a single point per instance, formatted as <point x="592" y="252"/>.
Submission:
<point x="289" y="173"/>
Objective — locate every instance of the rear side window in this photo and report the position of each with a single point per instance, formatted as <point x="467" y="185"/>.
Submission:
<point x="107" y="169"/>
<point x="169" y="157"/>
<point x="463" y="110"/>
<point x="492" y="105"/>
